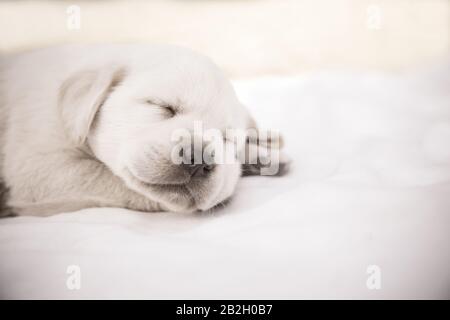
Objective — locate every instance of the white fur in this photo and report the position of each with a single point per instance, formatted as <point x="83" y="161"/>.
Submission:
<point x="83" y="126"/>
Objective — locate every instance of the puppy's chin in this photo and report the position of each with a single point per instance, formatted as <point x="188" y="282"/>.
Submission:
<point x="218" y="188"/>
<point x="198" y="194"/>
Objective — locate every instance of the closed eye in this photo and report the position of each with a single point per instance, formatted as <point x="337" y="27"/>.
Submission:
<point x="171" y="111"/>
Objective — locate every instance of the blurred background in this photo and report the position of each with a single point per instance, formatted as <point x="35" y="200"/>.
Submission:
<point x="247" y="38"/>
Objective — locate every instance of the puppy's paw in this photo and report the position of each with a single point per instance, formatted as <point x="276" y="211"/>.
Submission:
<point x="267" y="167"/>
<point x="263" y="155"/>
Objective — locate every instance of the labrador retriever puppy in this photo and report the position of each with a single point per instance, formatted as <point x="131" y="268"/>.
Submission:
<point x="93" y="126"/>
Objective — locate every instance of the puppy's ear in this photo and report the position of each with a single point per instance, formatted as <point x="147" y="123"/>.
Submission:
<point x="81" y="96"/>
<point x="263" y="154"/>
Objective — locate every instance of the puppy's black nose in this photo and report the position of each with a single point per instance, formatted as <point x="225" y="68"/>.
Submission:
<point x="198" y="170"/>
<point x="196" y="163"/>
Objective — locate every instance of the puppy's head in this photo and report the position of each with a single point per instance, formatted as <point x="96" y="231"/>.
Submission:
<point x="131" y="115"/>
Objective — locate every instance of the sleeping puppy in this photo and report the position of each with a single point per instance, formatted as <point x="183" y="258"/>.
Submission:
<point x="91" y="126"/>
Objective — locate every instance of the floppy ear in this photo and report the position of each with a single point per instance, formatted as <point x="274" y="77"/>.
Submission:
<point x="81" y="96"/>
<point x="262" y="152"/>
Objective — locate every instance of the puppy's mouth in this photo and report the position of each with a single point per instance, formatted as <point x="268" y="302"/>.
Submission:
<point x="167" y="184"/>
<point x="177" y="193"/>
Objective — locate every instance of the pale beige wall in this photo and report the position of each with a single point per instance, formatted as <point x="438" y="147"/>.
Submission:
<point x="250" y="37"/>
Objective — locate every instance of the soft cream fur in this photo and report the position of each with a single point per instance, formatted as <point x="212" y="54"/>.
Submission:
<point x="87" y="126"/>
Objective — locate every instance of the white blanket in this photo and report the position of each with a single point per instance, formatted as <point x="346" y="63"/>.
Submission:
<point x="364" y="212"/>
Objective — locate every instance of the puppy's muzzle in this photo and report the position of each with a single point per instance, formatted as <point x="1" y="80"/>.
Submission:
<point x="198" y="170"/>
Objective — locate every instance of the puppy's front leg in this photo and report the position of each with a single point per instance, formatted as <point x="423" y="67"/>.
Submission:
<point x="68" y="181"/>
